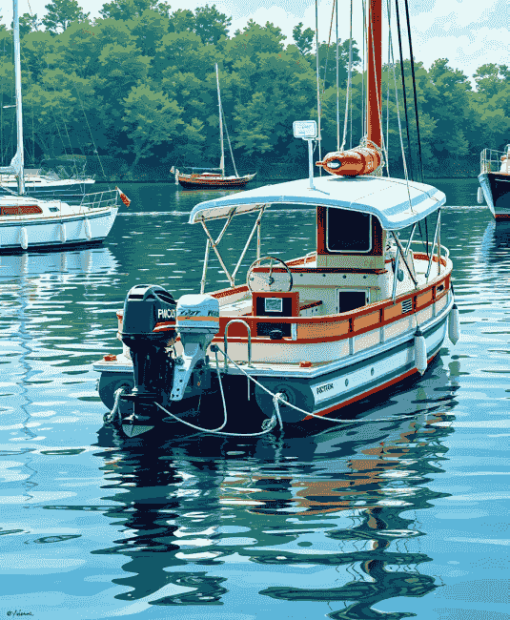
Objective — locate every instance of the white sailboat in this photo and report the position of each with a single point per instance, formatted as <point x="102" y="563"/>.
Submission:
<point x="210" y="178"/>
<point x="29" y="223"/>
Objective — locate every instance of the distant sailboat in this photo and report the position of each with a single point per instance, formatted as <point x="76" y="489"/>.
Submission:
<point x="209" y="178"/>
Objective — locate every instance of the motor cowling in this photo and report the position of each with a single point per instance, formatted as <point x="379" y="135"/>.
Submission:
<point x="198" y="320"/>
<point x="148" y="328"/>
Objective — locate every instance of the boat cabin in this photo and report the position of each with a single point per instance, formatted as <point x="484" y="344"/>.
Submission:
<point x="358" y="274"/>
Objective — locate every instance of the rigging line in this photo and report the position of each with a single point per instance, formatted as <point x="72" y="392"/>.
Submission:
<point x="318" y="80"/>
<point x="363" y="73"/>
<point x="228" y="140"/>
<point x="398" y="113"/>
<point x="388" y="94"/>
<point x="327" y="53"/>
<point x="348" y="92"/>
<point x="337" y="83"/>
<point x="404" y="88"/>
<point x="91" y="136"/>
<point x="414" y="89"/>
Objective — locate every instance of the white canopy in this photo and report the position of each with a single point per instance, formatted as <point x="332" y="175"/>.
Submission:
<point x="394" y="202"/>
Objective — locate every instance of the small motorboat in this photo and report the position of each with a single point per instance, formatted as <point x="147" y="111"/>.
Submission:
<point x="300" y="339"/>
<point x="494" y="179"/>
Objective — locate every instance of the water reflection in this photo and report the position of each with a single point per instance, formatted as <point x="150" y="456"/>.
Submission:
<point x="192" y="511"/>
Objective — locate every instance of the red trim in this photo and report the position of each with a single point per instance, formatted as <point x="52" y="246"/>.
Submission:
<point x="502" y="216"/>
<point x="227" y="292"/>
<point x="354" y="319"/>
<point x="369" y="393"/>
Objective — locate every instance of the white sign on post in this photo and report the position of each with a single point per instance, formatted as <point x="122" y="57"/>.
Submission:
<point x="307" y="130"/>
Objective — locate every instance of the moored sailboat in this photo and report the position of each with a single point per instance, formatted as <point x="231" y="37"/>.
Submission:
<point x="494" y="179"/>
<point x="29" y="223"/>
<point x="305" y="337"/>
<point x="214" y="178"/>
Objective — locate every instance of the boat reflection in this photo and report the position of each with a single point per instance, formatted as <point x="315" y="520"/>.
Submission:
<point x="194" y="511"/>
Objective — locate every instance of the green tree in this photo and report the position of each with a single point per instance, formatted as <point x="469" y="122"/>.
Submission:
<point x="210" y="24"/>
<point x="303" y="38"/>
<point x="131" y="9"/>
<point x="150" y="118"/>
<point x="61" y="13"/>
<point x="491" y="79"/>
<point x="28" y="23"/>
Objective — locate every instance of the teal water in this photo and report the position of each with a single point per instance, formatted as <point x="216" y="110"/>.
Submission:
<point x="405" y="517"/>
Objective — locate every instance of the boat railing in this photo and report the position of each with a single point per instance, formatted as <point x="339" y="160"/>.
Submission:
<point x="492" y="160"/>
<point x="424" y="246"/>
<point x="99" y="200"/>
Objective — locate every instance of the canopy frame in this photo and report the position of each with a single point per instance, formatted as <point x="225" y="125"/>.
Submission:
<point x="211" y="243"/>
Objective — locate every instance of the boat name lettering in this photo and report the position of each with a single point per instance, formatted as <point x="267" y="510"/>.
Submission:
<point x="166" y="313"/>
<point x="184" y="312"/>
<point x="324" y="388"/>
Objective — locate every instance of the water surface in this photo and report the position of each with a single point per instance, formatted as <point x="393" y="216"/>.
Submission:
<point x="402" y="512"/>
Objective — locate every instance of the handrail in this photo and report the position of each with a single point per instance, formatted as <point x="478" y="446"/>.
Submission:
<point x="90" y="201"/>
<point x="445" y="252"/>
<point x="309" y="255"/>
<point x="225" y="340"/>
<point x="491" y="160"/>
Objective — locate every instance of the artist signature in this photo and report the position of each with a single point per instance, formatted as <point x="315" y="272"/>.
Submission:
<point x="17" y="613"/>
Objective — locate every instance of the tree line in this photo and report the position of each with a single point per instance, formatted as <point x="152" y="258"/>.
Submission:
<point x="138" y="85"/>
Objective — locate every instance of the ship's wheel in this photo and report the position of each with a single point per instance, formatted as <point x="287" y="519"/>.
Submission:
<point x="264" y="277"/>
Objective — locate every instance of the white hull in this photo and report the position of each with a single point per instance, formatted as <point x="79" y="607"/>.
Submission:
<point x="32" y="232"/>
<point x="353" y="375"/>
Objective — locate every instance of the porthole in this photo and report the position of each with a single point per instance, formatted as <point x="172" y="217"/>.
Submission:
<point x="346" y="382"/>
<point x="372" y="371"/>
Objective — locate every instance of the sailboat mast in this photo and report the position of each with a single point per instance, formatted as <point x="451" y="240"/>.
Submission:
<point x="317" y="70"/>
<point x="374" y="67"/>
<point x="222" y="161"/>
<point x="17" y="162"/>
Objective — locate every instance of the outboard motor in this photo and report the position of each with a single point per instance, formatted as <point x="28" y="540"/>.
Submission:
<point x="198" y="320"/>
<point x="148" y="328"/>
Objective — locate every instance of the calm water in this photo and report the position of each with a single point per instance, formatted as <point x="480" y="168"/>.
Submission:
<point x="402" y="517"/>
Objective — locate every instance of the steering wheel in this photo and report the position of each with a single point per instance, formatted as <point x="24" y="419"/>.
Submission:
<point x="269" y="280"/>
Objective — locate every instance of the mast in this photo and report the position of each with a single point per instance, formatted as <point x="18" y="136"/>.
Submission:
<point x="374" y="67"/>
<point x="222" y="161"/>
<point x="16" y="165"/>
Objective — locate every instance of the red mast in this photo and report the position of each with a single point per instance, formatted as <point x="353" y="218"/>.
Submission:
<point x="374" y="68"/>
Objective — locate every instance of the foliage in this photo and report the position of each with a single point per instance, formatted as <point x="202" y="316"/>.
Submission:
<point x="61" y="13"/>
<point x="139" y="83"/>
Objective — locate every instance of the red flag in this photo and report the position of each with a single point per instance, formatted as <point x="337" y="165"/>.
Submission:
<point x="123" y="197"/>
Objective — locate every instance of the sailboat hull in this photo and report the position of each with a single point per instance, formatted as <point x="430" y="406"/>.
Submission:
<point x="213" y="181"/>
<point x="496" y="190"/>
<point x="29" y="233"/>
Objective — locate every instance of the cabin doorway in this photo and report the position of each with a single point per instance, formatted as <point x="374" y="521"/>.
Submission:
<point x="350" y="300"/>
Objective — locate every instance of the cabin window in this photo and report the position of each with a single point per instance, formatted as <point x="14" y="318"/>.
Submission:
<point x="22" y="210"/>
<point x="350" y="300"/>
<point x="348" y="231"/>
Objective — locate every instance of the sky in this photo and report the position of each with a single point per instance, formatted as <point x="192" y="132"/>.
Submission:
<point x="467" y="32"/>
